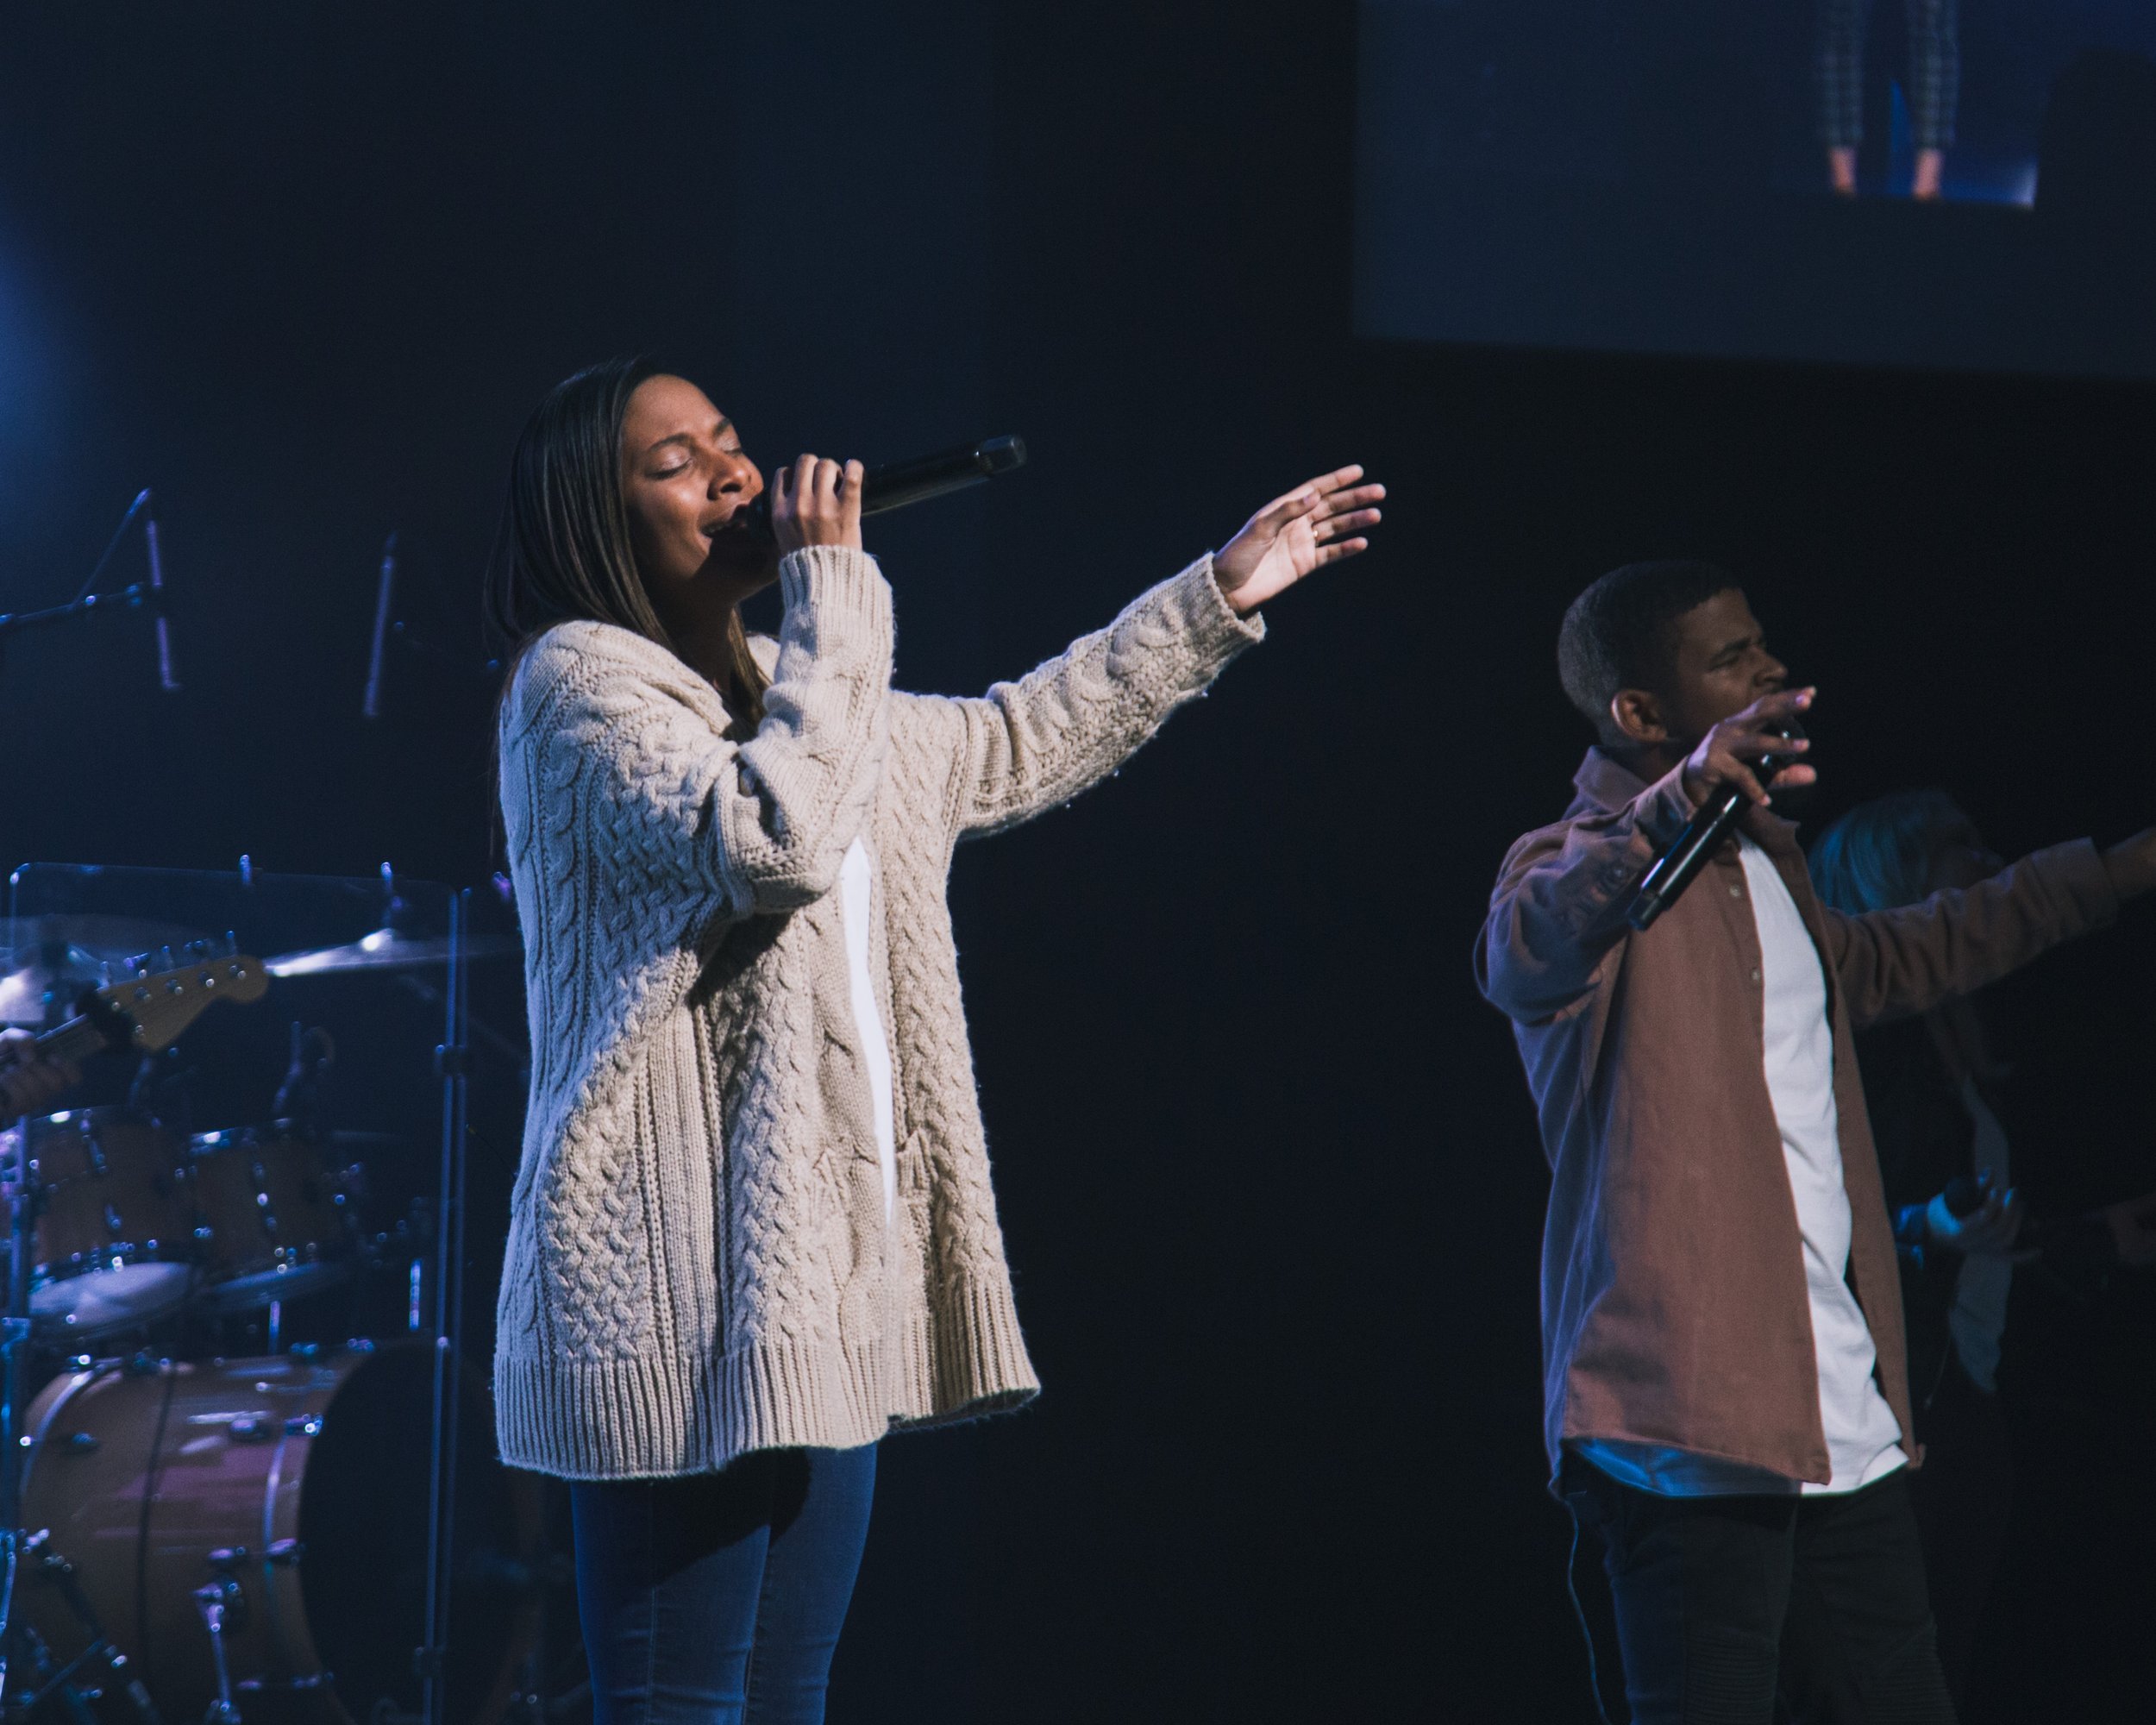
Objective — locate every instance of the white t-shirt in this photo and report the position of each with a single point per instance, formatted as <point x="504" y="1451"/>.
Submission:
<point x="1863" y="1440"/>
<point x="855" y="880"/>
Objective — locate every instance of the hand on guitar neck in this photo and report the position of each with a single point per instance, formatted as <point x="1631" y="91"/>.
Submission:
<point x="142" y="1013"/>
<point x="30" y="1079"/>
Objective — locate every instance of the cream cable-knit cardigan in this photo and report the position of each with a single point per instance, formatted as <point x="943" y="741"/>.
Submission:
<point x="698" y="1260"/>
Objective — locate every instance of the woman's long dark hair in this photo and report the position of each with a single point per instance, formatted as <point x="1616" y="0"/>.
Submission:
<point x="1879" y="855"/>
<point x="564" y="552"/>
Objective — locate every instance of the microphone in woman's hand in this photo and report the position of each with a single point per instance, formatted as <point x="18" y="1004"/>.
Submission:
<point x="896" y="484"/>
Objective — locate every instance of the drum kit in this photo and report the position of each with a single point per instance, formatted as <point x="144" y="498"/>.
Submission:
<point x="208" y="1519"/>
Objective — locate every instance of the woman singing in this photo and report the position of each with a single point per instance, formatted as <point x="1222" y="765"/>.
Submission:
<point x="752" y="1230"/>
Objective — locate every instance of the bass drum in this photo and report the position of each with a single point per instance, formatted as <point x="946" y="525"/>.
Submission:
<point x="303" y="1481"/>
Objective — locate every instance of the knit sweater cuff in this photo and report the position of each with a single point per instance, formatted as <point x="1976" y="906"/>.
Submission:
<point x="1214" y="623"/>
<point x="844" y="588"/>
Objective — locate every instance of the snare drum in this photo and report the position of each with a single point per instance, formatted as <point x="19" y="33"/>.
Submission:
<point x="277" y="1217"/>
<point x="113" y="1237"/>
<point x="297" y="1490"/>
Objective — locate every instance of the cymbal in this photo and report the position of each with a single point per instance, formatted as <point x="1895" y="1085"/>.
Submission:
<point x="388" y="949"/>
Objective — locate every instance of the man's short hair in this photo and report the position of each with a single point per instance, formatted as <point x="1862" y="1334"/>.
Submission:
<point x="1619" y="633"/>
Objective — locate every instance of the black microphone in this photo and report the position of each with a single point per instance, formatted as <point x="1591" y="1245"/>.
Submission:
<point x="896" y="484"/>
<point x="1674" y="869"/>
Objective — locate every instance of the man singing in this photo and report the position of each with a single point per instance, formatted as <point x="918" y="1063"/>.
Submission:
<point x="1725" y="1395"/>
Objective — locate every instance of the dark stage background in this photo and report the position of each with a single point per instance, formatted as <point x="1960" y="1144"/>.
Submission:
<point x="1267" y="1167"/>
<point x="1652" y="179"/>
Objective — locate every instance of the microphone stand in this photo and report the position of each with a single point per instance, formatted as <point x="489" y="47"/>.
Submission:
<point x="384" y="592"/>
<point x="150" y="595"/>
<point x="141" y="596"/>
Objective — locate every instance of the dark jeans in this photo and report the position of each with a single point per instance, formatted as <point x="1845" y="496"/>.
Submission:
<point x="1721" y="1601"/>
<point x="718" y="1597"/>
<point x="1963" y="1495"/>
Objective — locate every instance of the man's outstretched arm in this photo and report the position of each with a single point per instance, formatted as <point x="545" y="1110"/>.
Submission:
<point x="1894" y="964"/>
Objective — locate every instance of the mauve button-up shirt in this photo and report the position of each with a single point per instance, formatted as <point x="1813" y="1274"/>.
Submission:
<point x="1675" y="1310"/>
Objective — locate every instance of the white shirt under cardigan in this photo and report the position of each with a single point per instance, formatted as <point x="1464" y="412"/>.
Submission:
<point x="1863" y="1440"/>
<point x="855" y="880"/>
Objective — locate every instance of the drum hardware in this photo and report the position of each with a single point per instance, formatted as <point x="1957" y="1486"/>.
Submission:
<point x="222" y="1606"/>
<point x="249" y="1428"/>
<point x="145" y="1012"/>
<point x="507" y="1049"/>
<point x="211" y="1623"/>
<point x="430" y="1657"/>
<point x="162" y="1088"/>
<point x="55" y="1571"/>
<point x="298" y="1106"/>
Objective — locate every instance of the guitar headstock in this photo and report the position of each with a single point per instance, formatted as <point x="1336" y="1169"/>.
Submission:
<point x="148" y="1010"/>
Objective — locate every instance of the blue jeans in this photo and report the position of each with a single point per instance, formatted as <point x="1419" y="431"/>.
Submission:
<point x="718" y="1597"/>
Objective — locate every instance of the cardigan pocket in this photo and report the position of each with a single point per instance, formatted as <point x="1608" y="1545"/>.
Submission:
<point x="592" y="1210"/>
<point x="843" y="1083"/>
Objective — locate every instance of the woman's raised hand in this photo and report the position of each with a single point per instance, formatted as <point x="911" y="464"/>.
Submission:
<point x="1315" y="523"/>
<point x="816" y="502"/>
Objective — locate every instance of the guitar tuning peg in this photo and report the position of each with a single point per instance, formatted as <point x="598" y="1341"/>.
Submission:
<point x="197" y="948"/>
<point x="231" y="943"/>
<point x="165" y="959"/>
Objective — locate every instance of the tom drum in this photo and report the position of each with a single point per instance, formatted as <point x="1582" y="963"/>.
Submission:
<point x="113" y="1233"/>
